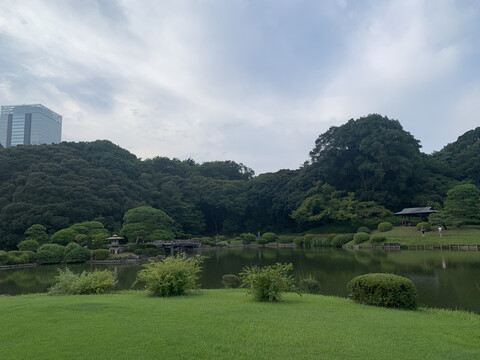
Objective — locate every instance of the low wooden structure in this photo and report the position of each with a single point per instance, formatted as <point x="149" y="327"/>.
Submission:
<point x="421" y="212"/>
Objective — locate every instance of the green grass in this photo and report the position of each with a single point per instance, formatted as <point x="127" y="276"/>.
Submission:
<point x="226" y="324"/>
<point x="408" y="235"/>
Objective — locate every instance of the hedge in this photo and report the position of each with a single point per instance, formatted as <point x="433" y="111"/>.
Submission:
<point x="360" y="237"/>
<point x="340" y="240"/>
<point x="385" y="226"/>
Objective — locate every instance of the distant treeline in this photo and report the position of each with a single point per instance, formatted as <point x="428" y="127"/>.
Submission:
<point x="356" y="171"/>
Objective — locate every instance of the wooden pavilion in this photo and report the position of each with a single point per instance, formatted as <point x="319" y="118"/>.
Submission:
<point x="421" y="212"/>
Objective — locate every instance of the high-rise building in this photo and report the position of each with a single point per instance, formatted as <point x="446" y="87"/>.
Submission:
<point x="29" y="125"/>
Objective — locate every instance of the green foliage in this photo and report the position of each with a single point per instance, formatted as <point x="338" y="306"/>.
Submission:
<point x="20" y="257"/>
<point x="299" y="241"/>
<point x="309" y="285"/>
<point x="50" y="254"/>
<point x="442" y="218"/>
<point x="28" y="245"/>
<point x="360" y="237"/>
<point x="269" y="236"/>
<point x="38" y="233"/>
<point x="308" y="240"/>
<point x="262" y="241"/>
<point x="385" y="290"/>
<point x="463" y="204"/>
<point x="378" y="239"/>
<point x="172" y="276"/>
<point x="268" y="283"/>
<point x="3" y="257"/>
<point x="373" y="157"/>
<point x="230" y="281"/>
<point x="385" y="226"/>
<point x="330" y="238"/>
<point x="363" y="229"/>
<point x="100" y="254"/>
<point x="64" y="237"/>
<point x="340" y="240"/>
<point x="248" y="238"/>
<point x="147" y="223"/>
<point x="285" y="239"/>
<point x="425" y="225"/>
<point x="96" y="282"/>
<point x="326" y="204"/>
<point x="74" y="253"/>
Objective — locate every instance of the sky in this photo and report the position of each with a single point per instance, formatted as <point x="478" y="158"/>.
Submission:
<point x="253" y="81"/>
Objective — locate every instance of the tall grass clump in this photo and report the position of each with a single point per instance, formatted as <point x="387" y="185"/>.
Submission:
<point x="95" y="282"/>
<point x="172" y="276"/>
<point x="268" y="283"/>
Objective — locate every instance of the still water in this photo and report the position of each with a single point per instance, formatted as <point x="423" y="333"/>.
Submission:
<point x="445" y="279"/>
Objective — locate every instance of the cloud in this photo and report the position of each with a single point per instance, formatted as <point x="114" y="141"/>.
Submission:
<point x="254" y="82"/>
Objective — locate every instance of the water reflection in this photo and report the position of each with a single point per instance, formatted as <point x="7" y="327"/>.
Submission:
<point x="443" y="278"/>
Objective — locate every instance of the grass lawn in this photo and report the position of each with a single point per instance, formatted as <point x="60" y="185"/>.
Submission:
<point x="408" y="235"/>
<point x="226" y="324"/>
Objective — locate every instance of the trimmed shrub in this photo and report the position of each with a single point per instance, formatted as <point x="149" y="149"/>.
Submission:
<point x="385" y="226"/>
<point x="379" y="239"/>
<point x="309" y="285"/>
<point x="3" y="257"/>
<point x="340" y="240"/>
<point x="230" y="281"/>
<point x="248" y="238"/>
<point x="299" y="241"/>
<point x="172" y="276"/>
<point x="74" y="253"/>
<point x="50" y="254"/>
<point x="426" y="225"/>
<point x="207" y="241"/>
<point x="285" y="239"/>
<point x="100" y="254"/>
<point x="31" y="256"/>
<point x="96" y="282"/>
<point x="28" y="245"/>
<point x="360" y="237"/>
<point x="363" y="229"/>
<point x="385" y="290"/>
<point x="149" y="251"/>
<point x="262" y="241"/>
<point x="269" y="282"/>
<point x="64" y="236"/>
<point x="269" y="236"/>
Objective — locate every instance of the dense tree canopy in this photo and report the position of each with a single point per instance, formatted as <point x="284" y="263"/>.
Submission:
<point x="364" y="160"/>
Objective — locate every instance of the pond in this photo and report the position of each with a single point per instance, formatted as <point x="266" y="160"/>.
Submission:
<point x="446" y="279"/>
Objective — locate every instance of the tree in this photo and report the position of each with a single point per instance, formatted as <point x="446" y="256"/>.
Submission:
<point x="371" y="156"/>
<point x="38" y="233"/>
<point x="140" y="222"/>
<point x="463" y="204"/>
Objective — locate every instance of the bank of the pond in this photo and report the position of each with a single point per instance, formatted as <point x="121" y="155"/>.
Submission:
<point x="226" y="324"/>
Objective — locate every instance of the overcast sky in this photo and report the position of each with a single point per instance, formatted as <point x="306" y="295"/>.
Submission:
<point x="251" y="81"/>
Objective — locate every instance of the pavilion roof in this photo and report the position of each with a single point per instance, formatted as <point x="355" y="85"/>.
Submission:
<point x="417" y="211"/>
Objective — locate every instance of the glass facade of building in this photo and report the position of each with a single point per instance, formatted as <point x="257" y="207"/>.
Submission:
<point x="29" y="125"/>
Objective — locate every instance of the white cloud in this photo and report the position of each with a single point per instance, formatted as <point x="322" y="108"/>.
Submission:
<point x="249" y="81"/>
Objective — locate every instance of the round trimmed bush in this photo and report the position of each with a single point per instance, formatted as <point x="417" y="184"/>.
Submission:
<point x="363" y="229"/>
<point x="231" y="281"/>
<point x="360" y="237"/>
<point x="100" y="254"/>
<point x="330" y="237"/>
<point x="300" y="241"/>
<point x="385" y="226"/>
<point x="75" y="253"/>
<point x="285" y="239"/>
<point x="269" y="236"/>
<point x="50" y="254"/>
<point x="28" y="245"/>
<point x="340" y="240"/>
<point x="426" y="225"/>
<point x="384" y="290"/>
<point x="248" y="238"/>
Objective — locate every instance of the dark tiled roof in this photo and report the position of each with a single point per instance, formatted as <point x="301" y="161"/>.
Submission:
<point x="417" y="211"/>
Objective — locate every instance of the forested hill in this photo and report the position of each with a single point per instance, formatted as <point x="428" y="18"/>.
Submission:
<point x="366" y="163"/>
